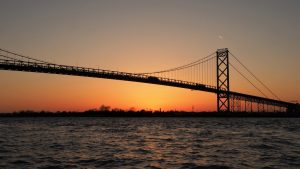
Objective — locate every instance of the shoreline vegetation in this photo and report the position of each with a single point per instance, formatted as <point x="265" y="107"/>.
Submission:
<point x="106" y="111"/>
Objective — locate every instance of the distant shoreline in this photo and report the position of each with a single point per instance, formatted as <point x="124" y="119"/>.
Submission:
<point x="149" y="114"/>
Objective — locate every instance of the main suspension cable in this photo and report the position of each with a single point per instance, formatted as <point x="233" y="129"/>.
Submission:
<point x="252" y="74"/>
<point x="248" y="80"/>
<point x="22" y="56"/>
<point x="184" y="66"/>
<point x="7" y="57"/>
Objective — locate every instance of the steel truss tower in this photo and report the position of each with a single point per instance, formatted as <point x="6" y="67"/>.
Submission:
<point x="223" y="98"/>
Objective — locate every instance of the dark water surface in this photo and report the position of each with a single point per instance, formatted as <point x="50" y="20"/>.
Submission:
<point x="204" y="143"/>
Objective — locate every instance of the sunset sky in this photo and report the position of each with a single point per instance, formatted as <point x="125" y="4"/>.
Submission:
<point x="144" y="36"/>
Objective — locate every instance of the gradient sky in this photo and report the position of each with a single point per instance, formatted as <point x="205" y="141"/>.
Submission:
<point x="144" y="36"/>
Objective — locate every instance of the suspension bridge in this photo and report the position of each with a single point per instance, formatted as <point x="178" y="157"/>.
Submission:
<point x="208" y="74"/>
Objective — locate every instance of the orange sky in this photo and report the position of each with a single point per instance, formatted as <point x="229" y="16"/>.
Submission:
<point x="144" y="36"/>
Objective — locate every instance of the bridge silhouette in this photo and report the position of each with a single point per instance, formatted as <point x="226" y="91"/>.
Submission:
<point x="208" y="74"/>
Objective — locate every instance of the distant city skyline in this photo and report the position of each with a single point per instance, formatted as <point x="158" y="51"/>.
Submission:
<point x="144" y="36"/>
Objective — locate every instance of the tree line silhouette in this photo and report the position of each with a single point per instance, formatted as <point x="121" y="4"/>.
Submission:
<point x="107" y="111"/>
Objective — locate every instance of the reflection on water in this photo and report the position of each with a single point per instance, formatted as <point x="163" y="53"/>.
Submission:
<point x="185" y="143"/>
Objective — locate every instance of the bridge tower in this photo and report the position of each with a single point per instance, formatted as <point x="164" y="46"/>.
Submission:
<point x="223" y="98"/>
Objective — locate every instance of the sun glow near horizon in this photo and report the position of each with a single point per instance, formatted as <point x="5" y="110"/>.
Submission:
<point x="143" y="36"/>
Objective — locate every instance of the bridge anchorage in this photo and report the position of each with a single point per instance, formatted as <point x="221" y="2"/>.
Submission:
<point x="201" y="75"/>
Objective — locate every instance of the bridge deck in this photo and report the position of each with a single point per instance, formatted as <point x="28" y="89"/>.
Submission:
<point x="17" y="65"/>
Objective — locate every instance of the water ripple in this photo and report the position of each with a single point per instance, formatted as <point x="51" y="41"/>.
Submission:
<point x="153" y="143"/>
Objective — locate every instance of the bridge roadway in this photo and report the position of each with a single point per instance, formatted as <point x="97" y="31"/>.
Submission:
<point x="17" y="65"/>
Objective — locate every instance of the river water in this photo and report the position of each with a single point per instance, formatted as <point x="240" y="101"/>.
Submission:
<point x="204" y="143"/>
